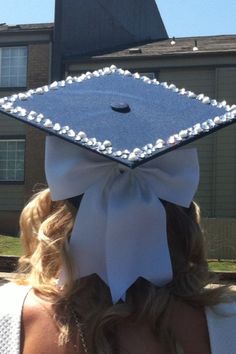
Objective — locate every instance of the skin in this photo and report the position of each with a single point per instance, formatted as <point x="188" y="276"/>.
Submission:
<point x="39" y="332"/>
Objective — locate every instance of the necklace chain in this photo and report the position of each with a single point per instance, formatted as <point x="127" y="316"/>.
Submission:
<point x="81" y="332"/>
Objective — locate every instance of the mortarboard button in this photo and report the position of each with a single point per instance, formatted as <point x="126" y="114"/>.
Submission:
<point x="120" y="107"/>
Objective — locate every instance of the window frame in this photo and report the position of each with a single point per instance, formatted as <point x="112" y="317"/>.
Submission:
<point x="14" y="138"/>
<point x="14" y="88"/>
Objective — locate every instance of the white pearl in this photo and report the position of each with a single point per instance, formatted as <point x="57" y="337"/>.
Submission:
<point x="191" y="94"/>
<point x="62" y="83"/>
<point x="165" y="84"/>
<point x="213" y="102"/>
<point x="30" y="117"/>
<point x="82" y="135"/>
<point x="182" y="91"/>
<point x="183" y="134"/>
<point x="23" y="96"/>
<point x="217" y="120"/>
<point x="7" y="107"/>
<point x="172" y="86"/>
<point x="206" y="100"/>
<point x="137" y="151"/>
<point x="132" y="157"/>
<point x="160" y="141"/>
<point x="48" y="123"/>
<point x="88" y="75"/>
<point x="136" y="76"/>
<point x="127" y="73"/>
<point x="39" y="118"/>
<point x="54" y="85"/>
<point x="107" y="143"/>
<point x="39" y="91"/>
<point x="126" y="152"/>
<point x="96" y="74"/>
<point x="57" y="127"/>
<point x="45" y="88"/>
<point x="71" y="133"/>
<point x="210" y="123"/>
<point x="223" y="103"/>
<point x="22" y="112"/>
<point x="155" y="82"/>
<point x="171" y="140"/>
<point x="113" y="67"/>
<point x="205" y="126"/>
<point x="197" y="128"/>
<point x="200" y="97"/>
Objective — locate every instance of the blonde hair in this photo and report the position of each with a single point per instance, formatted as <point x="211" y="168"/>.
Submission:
<point x="45" y="227"/>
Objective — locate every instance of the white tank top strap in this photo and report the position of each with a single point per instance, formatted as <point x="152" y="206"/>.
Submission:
<point x="12" y="298"/>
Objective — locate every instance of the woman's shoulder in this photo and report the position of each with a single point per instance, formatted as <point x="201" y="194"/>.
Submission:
<point x="38" y="314"/>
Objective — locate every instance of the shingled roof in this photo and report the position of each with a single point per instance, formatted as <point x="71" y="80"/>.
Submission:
<point x="207" y="45"/>
<point x="26" y="27"/>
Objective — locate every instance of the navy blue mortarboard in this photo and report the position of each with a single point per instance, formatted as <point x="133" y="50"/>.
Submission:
<point x="124" y="116"/>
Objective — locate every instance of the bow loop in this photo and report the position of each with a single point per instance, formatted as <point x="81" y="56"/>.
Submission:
<point x="174" y="177"/>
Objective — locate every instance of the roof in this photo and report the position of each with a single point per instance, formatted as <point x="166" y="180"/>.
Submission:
<point x="207" y="45"/>
<point x="26" y="27"/>
<point x="85" y="27"/>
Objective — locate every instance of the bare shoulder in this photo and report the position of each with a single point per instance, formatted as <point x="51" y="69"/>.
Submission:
<point x="192" y="334"/>
<point x="39" y="331"/>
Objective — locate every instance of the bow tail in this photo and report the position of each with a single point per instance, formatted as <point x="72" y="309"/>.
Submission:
<point x="133" y="248"/>
<point x="87" y="243"/>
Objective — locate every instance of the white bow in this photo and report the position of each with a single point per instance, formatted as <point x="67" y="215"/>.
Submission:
<point x="120" y="229"/>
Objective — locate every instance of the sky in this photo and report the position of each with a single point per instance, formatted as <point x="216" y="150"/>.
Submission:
<point x="182" y="18"/>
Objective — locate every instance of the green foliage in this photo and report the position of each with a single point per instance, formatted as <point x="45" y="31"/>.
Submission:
<point x="10" y="246"/>
<point x="222" y="266"/>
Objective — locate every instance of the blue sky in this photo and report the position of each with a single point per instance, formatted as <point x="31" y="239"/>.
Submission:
<point x="181" y="17"/>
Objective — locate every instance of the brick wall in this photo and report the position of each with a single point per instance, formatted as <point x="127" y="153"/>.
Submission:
<point x="39" y="61"/>
<point x="34" y="162"/>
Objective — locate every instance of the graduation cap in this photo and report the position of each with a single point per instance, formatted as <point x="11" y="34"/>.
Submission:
<point x="127" y="117"/>
<point x="102" y="121"/>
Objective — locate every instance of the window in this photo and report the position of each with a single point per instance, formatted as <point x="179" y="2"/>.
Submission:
<point x="13" y="66"/>
<point x="12" y="154"/>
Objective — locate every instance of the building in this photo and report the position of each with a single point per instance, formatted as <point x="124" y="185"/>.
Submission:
<point x="204" y="65"/>
<point x="25" y="62"/>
